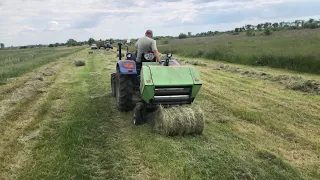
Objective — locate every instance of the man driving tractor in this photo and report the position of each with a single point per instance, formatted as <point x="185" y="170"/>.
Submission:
<point x="147" y="45"/>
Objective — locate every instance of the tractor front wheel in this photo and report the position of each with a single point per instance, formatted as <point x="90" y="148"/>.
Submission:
<point x="124" y="91"/>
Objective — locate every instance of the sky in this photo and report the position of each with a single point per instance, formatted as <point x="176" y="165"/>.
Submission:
<point x="25" y="22"/>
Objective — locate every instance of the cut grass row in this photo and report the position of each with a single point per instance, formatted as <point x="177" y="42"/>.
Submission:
<point x="14" y="63"/>
<point x="296" y="50"/>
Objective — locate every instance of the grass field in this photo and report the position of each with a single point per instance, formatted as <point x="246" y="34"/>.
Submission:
<point x="294" y="50"/>
<point x="18" y="61"/>
<point x="70" y="128"/>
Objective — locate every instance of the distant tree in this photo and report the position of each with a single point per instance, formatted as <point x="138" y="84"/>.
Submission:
<point x="275" y="25"/>
<point x="56" y="44"/>
<point x="210" y="33"/>
<point x="248" y="27"/>
<point x="237" y="30"/>
<point x="189" y="34"/>
<point x="51" y="45"/>
<point x="311" y="20"/>
<point x="1" y="45"/>
<point x="266" y="25"/>
<point x="259" y="27"/>
<point x="72" y="42"/>
<point x="297" y="23"/>
<point x="91" y="41"/>
<point x="182" y="36"/>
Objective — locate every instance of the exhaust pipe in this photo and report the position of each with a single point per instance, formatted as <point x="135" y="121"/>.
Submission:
<point x="120" y="44"/>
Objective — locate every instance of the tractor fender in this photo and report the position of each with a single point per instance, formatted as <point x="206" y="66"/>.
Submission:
<point x="127" y="70"/>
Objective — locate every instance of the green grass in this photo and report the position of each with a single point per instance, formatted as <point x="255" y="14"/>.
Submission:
<point x="296" y="50"/>
<point x="254" y="129"/>
<point x="14" y="63"/>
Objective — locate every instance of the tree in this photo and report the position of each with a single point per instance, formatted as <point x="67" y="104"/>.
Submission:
<point x="72" y="42"/>
<point x="2" y="45"/>
<point x="182" y="36"/>
<point x="237" y="30"/>
<point x="275" y="25"/>
<point x="266" y="25"/>
<point x="56" y="44"/>
<point x="248" y="27"/>
<point x="189" y="34"/>
<point x="311" y="20"/>
<point x="259" y="27"/>
<point x="51" y="45"/>
<point x="297" y="23"/>
<point x="210" y="33"/>
<point x="91" y="41"/>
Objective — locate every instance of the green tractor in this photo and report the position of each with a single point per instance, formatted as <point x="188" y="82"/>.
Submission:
<point x="144" y="86"/>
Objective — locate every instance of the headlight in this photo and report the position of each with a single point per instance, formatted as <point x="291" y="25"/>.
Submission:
<point x="129" y="55"/>
<point x="169" y="55"/>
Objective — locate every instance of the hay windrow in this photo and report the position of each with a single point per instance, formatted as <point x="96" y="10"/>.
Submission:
<point x="182" y="120"/>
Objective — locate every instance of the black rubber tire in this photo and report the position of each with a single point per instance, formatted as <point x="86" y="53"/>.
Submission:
<point x="113" y="84"/>
<point x="124" y="92"/>
<point x="138" y="114"/>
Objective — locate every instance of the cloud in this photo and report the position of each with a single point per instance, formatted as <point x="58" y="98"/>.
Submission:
<point x="59" y="20"/>
<point x="56" y="26"/>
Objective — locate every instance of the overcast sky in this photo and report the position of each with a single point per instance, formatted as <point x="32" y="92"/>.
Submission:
<point x="25" y="22"/>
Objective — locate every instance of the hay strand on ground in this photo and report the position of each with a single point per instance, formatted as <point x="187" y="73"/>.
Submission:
<point x="183" y="120"/>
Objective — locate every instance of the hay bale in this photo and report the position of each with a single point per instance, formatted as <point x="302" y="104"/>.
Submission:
<point x="182" y="120"/>
<point x="80" y="63"/>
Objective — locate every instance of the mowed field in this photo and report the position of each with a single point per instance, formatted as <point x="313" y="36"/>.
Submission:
<point x="59" y="121"/>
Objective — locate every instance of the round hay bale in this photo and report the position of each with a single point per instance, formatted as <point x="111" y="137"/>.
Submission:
<point x="80" y="63"/>
<point x="180" y="120"/>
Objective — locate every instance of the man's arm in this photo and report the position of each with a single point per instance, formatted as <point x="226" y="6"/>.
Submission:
<point x="155" y="51"/>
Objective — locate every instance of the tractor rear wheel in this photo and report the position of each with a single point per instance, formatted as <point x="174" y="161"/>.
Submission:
<point x="124" y="91"/>
<point x="113" y="84"/>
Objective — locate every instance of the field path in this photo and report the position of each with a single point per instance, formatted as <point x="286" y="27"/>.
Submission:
<point x="68" y="127"/>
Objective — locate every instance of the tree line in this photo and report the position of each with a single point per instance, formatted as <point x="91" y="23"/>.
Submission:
<point x="266" y="27"/>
